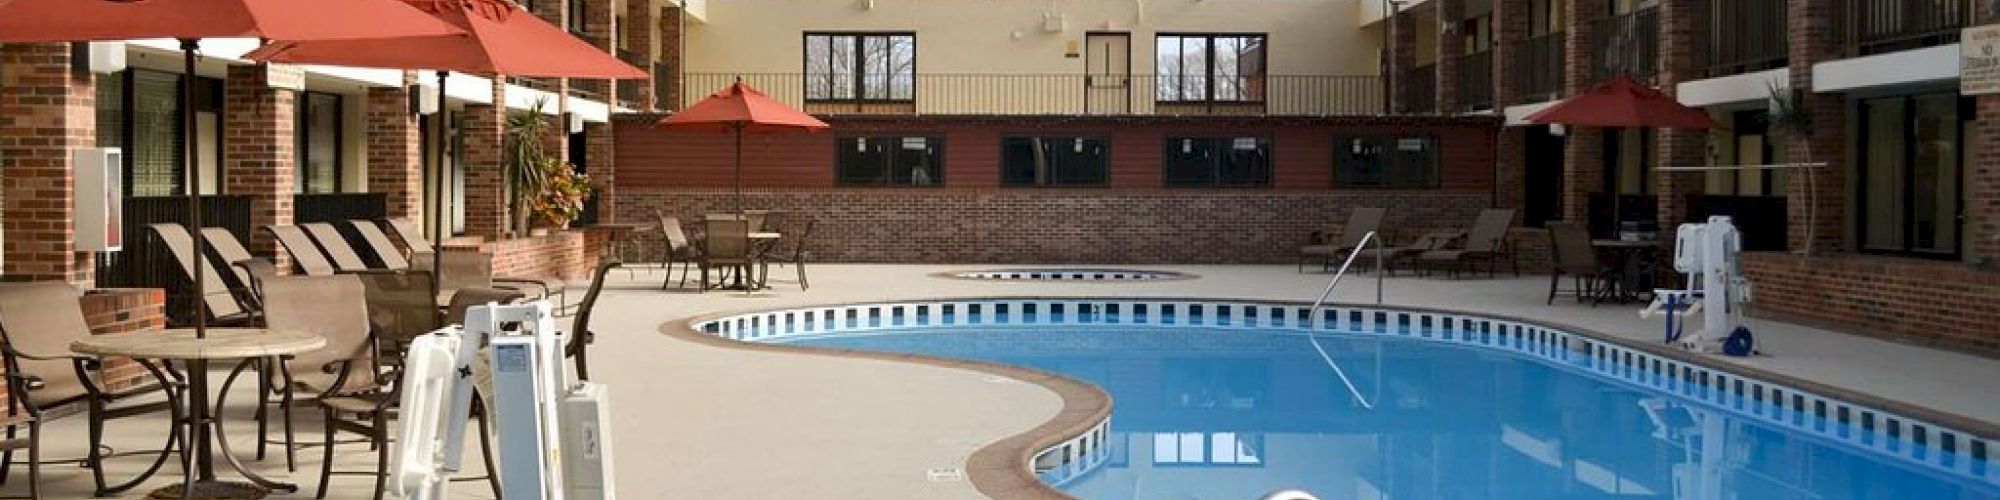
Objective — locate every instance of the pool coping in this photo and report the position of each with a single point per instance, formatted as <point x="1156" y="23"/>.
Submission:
<point x="1000" y="469"/>
<point x="1167" y="275"/>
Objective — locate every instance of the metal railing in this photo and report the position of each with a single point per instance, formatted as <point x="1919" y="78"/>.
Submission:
<point x="1418" y="89"/>
<point x="1628" y="44"/>
<point x="1312" y="313"/>
<point x="628" y="90"/>
<point x="1536" y="68"/>
<point x="145" y="261"/>
<point x="1475" y="81"/>
<point x="1879" y="26"/>
<point x="1747" y="35"/>
<point x="664" y="80"/>
<point x="1061" y="94"/>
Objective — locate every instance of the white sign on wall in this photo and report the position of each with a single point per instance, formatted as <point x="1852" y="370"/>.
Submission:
<point x="1979" y="60"/>
<point x="285" y="76"/>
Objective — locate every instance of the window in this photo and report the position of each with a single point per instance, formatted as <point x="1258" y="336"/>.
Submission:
<point x="1054" y="161"/>
<point x="319" y="143"/>
<point x="861" y="66"/>
<point x="1912" y="159"/>
<point x="1218" y="161"/>
<point x="1194" y="68"/>
<point x="1195" y="448"/>
<point x="889" y="161"/>
<point x="1399" y="162"/>
<point x="146" y="105"/>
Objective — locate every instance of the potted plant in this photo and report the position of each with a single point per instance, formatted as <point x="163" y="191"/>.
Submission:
<point x="1789" y="117"/>
<point x="525" y="162"/>
<point x="563" y="193"/>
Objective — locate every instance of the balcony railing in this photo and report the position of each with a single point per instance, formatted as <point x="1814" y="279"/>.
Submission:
<point x="628" y="90"/>
<point x="1628" y="44"/>
<point x="145" y="262"/>
<point x="1070" y="94"/>
<point x="1537" y="68"/>
<point x="1419" y="89"/>
<point x="1475" y="81"/>
<point x="1879" y="26"/>
<point x="663" y="86"/>
<point x="1748" y="35"/>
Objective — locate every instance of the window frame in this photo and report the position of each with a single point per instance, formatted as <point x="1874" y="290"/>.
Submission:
<point x="1209" y="76"/>
<point x="858" y="71"/>
<point x="1966" y="115"/>
<point x="1106" y="183"/>
<point x="1341" y="141"/>
<point x="302" y="118"/>
<point x="934" y="140"/>
<point x="1223" y="144"/>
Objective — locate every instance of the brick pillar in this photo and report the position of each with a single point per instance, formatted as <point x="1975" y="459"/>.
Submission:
<point x="597" y="157"/>
<point x="485" y="183"/>
<point x="1814" y="39"/>
<point x="261" y="159"/>
<point x="598" y="24"/>
<point x="672" y="38"/>
<point x="555" y="12"/>
<point x="1510" y="25"/>
<point x="1982" y="177"/>
<point x="1403" y="54"/>
<point x="47" y="114"/>
<point x="1583" y="149"/>
<point x="1450" y="46"/>
<point x="641" y="20"/>
<point x="395" y="150"/>
<point x="1683" y="24"/>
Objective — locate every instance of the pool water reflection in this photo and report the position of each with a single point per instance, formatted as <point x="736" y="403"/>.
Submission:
<point x="1233" y="414"/>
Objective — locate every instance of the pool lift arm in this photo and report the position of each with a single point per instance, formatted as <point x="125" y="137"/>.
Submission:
<point x="1708" y="253"/>
<point x="552" y="433"/>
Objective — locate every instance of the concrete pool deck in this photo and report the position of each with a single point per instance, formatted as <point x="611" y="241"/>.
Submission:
<point x="698" y="421"/>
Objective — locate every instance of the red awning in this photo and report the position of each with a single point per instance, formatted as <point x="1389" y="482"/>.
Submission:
<point x="501" y="38"/>
<point x="1622" y="103"/>
<point x="743" y="107"/>
<point x="83" y="20"/>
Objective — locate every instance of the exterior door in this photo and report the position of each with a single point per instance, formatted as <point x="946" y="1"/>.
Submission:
<point x="1107" y="79"/>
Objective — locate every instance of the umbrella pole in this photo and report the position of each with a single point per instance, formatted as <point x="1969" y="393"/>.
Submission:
<point x="193" y="145"/>
<point x="437" y="196"/>
<point x="739" y="169"/>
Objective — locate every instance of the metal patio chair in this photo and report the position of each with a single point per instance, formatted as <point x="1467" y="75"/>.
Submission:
<point x="1359" y="223"/>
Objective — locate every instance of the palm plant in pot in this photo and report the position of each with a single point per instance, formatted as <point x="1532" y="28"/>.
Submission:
<point x="1791" y="118"/>
<point x="525" y="162"/>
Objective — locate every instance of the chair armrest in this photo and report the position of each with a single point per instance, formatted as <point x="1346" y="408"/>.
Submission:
<point x="30" y="382"/>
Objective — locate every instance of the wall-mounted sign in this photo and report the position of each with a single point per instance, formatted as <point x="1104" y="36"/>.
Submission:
<point x="1979" y="60"/>
<point x="285" y="76"/>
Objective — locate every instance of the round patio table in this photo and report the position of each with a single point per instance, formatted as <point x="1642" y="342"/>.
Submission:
<point x="204" y="428"/>
<point x="1632" y="262"/>
<point x="620" y="231"/>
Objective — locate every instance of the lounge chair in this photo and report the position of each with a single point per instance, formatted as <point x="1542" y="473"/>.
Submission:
<point x="1571" y="254"/>
<point x="304" y="253"/>
<point x="378" y="242"/>
<point x="222" y="305"/>
<point x="580" y="334"/>
<point x="1359" y="223"/>
<point x="38" y="321"/>
<point x="1436" y="239"/>
<point x="1486" y="242"/>
<point x="232" y="252"/>
<point x="412" y="235"/>
<point x="335" y="246"/>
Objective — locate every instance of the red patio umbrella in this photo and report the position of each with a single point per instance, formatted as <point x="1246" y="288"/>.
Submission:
<point x="1622" y="102"/>
<point x="742" y="108"/>
<point x="501" y="39"/>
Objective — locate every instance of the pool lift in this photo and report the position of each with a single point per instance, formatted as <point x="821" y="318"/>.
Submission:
<point x="1708" y="253"/>
<point x="553" y="433"/>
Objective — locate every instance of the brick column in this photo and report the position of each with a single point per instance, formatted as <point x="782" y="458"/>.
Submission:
<point x="1683" y="25"/>
<point x="1583" y="149"/>
<point x="598" y="155"/>
<point x="1510" y="25"/>
<point x="1403" y="53"/>
<point x="47" y="114"/>
<point x="395" y="152"/>
<point x="671" y="38"/>
<point x="260" y="161"/>
<point x="641" y="20"/>
<point x="1450" y="46"/>
<point x="598" y="24"/>
<point x="485" y="183"/>
<point x="1814" y="39"/>
<point x="1982" y="177"/>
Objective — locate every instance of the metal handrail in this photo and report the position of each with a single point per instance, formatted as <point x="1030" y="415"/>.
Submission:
<point x="1313" y="312"/>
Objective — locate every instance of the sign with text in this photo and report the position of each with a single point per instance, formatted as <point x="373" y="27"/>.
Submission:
<point x="1979" y="60"/>
<point x="285" y="76"/>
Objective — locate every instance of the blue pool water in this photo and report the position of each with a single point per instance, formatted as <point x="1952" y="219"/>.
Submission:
<point x="1234" y="413"/>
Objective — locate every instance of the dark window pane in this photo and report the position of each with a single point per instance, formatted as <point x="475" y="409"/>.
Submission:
<point x="1245" y="162"/>
<point x="319" y="143"/>
<point x="1190" y="162"/>
<point x="894" y="161"/>
<point x="1054" y="161"/>
<point x="1406" y="162"/>
<point x="156" y="134"/>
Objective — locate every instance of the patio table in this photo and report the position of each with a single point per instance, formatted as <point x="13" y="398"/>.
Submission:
<point x="619" y="232"/>
<point x="204" y="425"/>
<point x="1631" y="263"/>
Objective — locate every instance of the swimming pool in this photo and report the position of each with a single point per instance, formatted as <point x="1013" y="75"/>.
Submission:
<point x="1230" y="400"/>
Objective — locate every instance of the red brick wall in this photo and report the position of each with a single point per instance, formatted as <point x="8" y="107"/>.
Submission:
<point x="671" y="41"/>
<point x="568" y="254"/>
<point x="47" y="112"/>
<point x="1925" y="302"/>
<point x="259" y="161"/>
<point x="395" y="153"/>
<point x="648" y="156"/>
<point x="485" y="184"/>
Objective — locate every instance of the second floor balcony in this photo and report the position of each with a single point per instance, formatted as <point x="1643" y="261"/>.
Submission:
<point x="1475" y="81"/>
<point x="1419" y="89"/>
<point x="1879" y="26"/>
<point x="1536" y="70"/>
<point x="1059" y="94"/>
<point x="1627" y="43"/>
<point x="1747" y="36"/>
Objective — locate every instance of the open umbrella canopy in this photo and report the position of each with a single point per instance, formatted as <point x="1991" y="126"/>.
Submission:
<point x="501" y="38"/>
<point x="1622" y="103"/>
<point x="743" y="107"/>
<point x="84" y="20"/>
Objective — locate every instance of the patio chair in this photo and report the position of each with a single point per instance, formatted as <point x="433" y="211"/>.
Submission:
<point x="796" y="254"/>
<point x="467" y="268"/>
<point x="335" y="246"/>
<point x="231" y="250"/>
<point x="1486" y="242"/>
<point x="1359" y="223"/>
<point x="463" y="299"/>
<point x="580" y="334"/>
<point x="412" y="235"/>
<point x="334" y="307"/>
<point x="1571" y="255"/>
<point x="223" y="306"/>
<point x="378" y="242"/>
<point x="1436" y="239"/>
<point x="400" y="308"/>
<point x="304" y="253"/>
<point x="679" y="249"/>
<point x="726" y="243"/>
<point x="38" y="321"/>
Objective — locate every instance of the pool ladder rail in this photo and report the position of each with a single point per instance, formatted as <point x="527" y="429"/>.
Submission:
<point x="1313" y="311"/>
